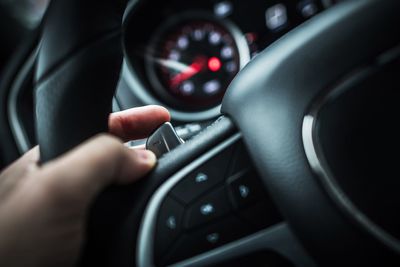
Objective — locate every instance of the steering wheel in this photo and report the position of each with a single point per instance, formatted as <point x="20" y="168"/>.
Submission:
<point x="306" y="118"/>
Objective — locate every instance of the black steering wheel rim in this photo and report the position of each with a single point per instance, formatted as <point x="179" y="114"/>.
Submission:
<point x="80" y="44"/>
<point x="76" y="40"/>
<point x="280" y="143"/>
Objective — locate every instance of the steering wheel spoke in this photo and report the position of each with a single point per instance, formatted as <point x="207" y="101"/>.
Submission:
<point x="217" y="202"/>
<point x="265" y="246"/>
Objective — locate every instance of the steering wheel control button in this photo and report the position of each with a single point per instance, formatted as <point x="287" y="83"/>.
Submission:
<point x="276" y="17"/>
<point x="245" y="188"/>
<point x="203" y="179"/>
<point x="208" y="208"/>
<point x="163" y="140"/>
<point x="169" y="225"/>
<point x="212" y="238"/>
<point x="171" y="222"/>
<point x="244" y="191"/>
<point x="207" y="238"/>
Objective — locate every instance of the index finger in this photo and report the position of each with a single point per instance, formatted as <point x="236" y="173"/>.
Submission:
<point x="137" y="123"/>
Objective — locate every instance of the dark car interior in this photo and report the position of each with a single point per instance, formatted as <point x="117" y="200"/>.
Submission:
<point x="286" y="112"/>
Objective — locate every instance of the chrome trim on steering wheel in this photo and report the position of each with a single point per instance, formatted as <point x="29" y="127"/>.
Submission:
<point x="320" y="166"/>
<point x="17" y="128"/>
<point x="278" y="238"/>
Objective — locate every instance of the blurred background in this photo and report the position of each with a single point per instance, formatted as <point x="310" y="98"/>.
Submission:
<point x="17" y="19"/>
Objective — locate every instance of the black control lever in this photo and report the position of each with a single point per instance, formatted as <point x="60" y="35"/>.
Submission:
<point x="163" y="140"/>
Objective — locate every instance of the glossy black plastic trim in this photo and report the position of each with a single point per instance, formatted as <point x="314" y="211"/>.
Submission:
<point x="278" y="238"/>
<point x="147" y="228"/>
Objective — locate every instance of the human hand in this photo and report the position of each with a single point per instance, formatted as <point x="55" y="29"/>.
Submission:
<point x="43" y="208"/>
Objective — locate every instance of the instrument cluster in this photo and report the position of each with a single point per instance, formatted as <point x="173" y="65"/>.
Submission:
<point x="184" y="54"/>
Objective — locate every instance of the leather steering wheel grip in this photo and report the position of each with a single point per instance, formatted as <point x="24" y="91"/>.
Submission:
<point x="78" y="68"/>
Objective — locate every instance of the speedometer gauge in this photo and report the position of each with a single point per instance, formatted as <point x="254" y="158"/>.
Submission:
<point x="192" y="60"/>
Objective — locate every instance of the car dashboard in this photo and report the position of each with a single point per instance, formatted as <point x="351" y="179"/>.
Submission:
<point x="184" y="54"/>
<point x="178" y="54"/>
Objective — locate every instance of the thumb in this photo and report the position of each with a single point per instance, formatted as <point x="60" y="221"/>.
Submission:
<point x="86" y="170"/>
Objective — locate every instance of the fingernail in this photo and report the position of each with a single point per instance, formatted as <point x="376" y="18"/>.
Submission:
<point x="147" y="156"/>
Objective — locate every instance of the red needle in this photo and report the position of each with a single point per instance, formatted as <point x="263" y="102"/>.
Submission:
<point x="189" y="72"/>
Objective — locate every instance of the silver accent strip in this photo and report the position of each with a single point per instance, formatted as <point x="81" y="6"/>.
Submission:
<point x="17" y="128"/>
<point x="321" y="168"/>
<point x="278" y="238"/>
<point x="129" y="8"/>
<point x="147" y="227"/>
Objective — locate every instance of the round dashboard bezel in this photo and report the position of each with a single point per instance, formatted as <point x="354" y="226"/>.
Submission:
<point x="186" y="18"/>
<point x="138" y="88"/>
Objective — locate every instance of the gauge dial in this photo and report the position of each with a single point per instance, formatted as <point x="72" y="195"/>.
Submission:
<point x="193" y="61"/>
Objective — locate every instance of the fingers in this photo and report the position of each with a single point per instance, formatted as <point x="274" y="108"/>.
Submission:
<point x="29" y="158"/>
<point x="85" y="171"/>
<point x="137" y="123"/>
<point x="19" y="168"/>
